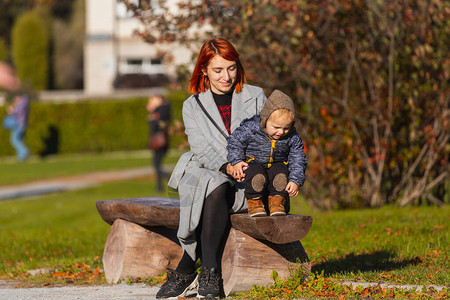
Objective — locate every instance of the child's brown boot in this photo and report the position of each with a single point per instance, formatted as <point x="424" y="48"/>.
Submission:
<point x="256" y="207"/>
<point x="276" y="205"/>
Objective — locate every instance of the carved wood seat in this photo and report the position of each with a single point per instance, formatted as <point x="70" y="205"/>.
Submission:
<point x="142" y="242"/>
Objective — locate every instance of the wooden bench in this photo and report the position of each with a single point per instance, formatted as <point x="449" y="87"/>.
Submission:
<point x="142" y="242"/>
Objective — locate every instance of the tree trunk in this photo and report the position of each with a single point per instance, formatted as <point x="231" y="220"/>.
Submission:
<point x="132" y="251"/>
<point x="247" y="262"/>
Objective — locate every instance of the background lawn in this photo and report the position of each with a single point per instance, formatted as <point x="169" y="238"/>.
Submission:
<point x="66" y="165"/>
<point x="59" y="230"/>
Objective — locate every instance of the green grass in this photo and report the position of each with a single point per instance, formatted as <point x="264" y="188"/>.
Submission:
<point x="65" y="165"/>
<point x="407" y="245"/>
<point x="390" y="244"/>
<point x="398" y="245"/>
<point x="59" y="230"/>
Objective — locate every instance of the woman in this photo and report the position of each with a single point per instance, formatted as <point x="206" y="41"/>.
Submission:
<point x="208" y="194"/>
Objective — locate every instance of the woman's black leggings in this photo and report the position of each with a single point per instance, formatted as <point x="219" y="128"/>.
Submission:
<point x="213" y="227"/>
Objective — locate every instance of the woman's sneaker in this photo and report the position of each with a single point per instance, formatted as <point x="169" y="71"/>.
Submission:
<point x="209" y="283"/>
<point x="177" y="284"/>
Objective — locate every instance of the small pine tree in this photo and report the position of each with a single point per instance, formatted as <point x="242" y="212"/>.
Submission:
<point x="30" y="48"/>
<point x="3" y="50"/>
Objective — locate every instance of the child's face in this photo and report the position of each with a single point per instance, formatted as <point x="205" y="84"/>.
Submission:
<point x="278" y="127"/>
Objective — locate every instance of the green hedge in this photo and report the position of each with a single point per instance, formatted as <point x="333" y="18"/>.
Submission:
<point x="93" y="126"/>
<point x="84" y="126"/>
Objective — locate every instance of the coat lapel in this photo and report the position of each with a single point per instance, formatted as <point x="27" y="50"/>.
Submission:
<point x="240" y="111"/>
<point x="211" y="107"/>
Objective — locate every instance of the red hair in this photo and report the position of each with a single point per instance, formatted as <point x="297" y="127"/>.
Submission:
<point x="218" y="46"/>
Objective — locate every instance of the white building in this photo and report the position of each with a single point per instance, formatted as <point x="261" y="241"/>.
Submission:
<point x="111" y="49"/>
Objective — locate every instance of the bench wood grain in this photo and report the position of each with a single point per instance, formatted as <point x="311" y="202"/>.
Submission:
<point x="142" y="242"/>
<point x="165" y="212"/>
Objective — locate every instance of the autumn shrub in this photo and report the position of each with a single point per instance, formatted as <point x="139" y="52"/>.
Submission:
<point x="369" y="78"/>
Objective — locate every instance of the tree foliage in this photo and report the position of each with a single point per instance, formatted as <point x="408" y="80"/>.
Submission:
<point x="9" y="11"/>
<point x="68" y="49"/>
<point x="369" y="77"/>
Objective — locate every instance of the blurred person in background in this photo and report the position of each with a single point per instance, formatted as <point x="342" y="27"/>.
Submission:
<point x="16" y="119"/>
<point x="158" y="120"/>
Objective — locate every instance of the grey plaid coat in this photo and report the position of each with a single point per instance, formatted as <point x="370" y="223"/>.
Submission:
<point x="197" y="173"/>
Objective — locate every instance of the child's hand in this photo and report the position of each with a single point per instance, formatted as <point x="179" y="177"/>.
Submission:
<point x="292" y="189"/>
<point x="238" y="171"/>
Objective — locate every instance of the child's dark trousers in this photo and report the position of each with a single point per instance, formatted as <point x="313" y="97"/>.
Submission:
<point x="260" y="181"/>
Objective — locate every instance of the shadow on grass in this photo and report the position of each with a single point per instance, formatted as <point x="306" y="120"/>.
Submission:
<point x="375" y="261"/>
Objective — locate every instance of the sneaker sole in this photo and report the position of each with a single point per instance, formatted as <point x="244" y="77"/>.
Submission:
<point x="258" y="214"/>
<point x="274" y="214"/>
<point x="209" y="296"/>
<point x="191" y="287"/>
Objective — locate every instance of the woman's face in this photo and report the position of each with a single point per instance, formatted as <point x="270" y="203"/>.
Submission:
<point x="222" y="74"/>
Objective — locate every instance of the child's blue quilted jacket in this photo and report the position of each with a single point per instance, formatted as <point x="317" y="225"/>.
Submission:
<point x="249" y="143"/>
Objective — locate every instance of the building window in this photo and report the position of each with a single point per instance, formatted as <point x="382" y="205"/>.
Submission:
<point x="156" y="61"/>
<point x="141" y="66"/>
<point x="134" y="62"/>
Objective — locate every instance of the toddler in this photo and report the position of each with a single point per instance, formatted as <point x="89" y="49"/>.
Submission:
<point x="267" y="154"/>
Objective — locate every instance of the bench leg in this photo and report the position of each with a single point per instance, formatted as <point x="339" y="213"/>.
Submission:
<point x="247" y="262"/>
<point x="132" y="251"/>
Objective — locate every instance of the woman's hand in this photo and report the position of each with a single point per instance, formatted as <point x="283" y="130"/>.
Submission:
<point x="292" y="189"/>
<point x="237" y="171"/>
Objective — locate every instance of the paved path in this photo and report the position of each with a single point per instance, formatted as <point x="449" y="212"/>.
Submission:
<point x="128" y="291"/>
<point x="117" y="291"/>
<point x="47" y="186"/>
